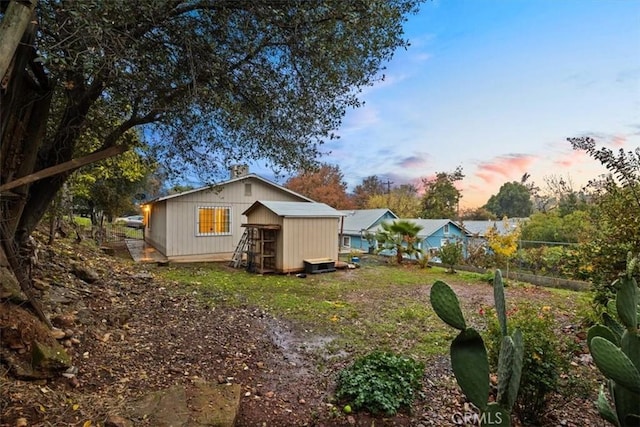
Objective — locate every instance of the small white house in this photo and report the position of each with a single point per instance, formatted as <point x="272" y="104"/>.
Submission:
<point x="205" y="224"/>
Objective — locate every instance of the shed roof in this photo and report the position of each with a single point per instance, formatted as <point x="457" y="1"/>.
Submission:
<point x="362" y="219"/>
<point x="297" y="209"/>
<point x="231" y="181"/>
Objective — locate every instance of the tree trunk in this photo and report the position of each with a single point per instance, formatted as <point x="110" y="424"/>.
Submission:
<point x="25" y="100"/>
<point x="16" y="19"/>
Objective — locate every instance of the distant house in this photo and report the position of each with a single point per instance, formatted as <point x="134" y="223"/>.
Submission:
<point x="480" y="228"/>
<point x="436" y="233"/>
<point x="357" y="223"/>
<point x="287" y="236"/>
<point x="477" y="229"/>
<point x="206" y="223"/>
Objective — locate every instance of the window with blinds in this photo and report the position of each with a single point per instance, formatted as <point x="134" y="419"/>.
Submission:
<point x="214" y="220"/>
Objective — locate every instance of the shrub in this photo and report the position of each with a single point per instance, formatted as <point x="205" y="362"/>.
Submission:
<point x="543" y="359"/>
<point x="451" y="254"/>
<point x="380" y="382"/>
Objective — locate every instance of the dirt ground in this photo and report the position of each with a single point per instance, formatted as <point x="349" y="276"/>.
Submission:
<point x="129" y="333"/>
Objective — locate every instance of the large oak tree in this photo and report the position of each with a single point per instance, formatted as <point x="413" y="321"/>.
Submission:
<point x="211" y="82"/>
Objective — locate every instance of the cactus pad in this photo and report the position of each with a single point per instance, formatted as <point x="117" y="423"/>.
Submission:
<point x="471" y="367"/>
<point x="516" y="369"/>
<point x="627" y="302"/>
<point x="498" y="296"/>
<point x="505" y="361"/>
<point x="630" y="345"/>
<point x="604" y="332"/>
<point x="604" y="408"/>
<point x="614" y="364"/>
<point x="612" y="324"/>
<point x="446" y="305"/>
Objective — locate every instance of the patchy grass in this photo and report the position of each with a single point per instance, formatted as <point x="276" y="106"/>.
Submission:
<point x="374" y="307"/>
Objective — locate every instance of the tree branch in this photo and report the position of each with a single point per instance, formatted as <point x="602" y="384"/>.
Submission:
<point x="65" y="167"/>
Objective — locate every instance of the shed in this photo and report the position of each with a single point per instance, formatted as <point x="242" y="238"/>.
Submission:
<point x="282" y="236"/>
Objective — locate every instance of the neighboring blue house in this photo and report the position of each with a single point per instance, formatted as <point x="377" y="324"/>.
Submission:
<point x="436" y="233"/>
<point x="357" y="222"/>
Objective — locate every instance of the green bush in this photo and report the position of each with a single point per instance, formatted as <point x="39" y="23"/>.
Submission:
<point x="380" y="382"/>
<point x="451" y="254"/>
<point x="543" y="358"/>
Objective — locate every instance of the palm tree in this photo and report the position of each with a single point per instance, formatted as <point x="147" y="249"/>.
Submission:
<point x="401" y="235"/>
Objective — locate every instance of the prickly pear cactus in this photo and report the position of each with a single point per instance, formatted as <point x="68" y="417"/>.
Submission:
<point x="469" y="355"/>
<point x="615" y="348"/>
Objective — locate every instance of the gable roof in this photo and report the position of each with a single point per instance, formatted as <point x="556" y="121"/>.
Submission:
<point x="362" y="219"/>
<point x="296" y="209"/>
<point x="429" y="226"/>
<point x="480" y="227"/>
<point x="231" y="181"/>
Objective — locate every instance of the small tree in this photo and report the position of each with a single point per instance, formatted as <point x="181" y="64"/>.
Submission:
<point x="451" y="254"/>
<point x="401" y="236"/>
<point x="504" y="245"/>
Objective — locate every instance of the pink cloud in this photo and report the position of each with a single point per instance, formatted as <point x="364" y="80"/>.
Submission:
<point x="510" y="166"/>
<point x="619" y="141"/>
<point x="570" y="159"/>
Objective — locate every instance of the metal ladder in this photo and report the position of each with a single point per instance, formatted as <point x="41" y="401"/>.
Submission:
<point x="236" y="259"/>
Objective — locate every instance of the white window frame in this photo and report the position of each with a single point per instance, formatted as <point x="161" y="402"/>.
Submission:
<point x="346" y="241"/>
<point x="197" y="221"/>
<point x="445" y="229"/>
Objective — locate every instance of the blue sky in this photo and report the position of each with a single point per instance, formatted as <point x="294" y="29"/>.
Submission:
<point x="496" y="86"/>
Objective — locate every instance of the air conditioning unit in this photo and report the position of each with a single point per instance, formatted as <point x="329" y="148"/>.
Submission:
<point x="239" y="170"/>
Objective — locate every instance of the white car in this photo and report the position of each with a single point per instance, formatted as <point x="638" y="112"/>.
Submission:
<point x="135" y="221"/>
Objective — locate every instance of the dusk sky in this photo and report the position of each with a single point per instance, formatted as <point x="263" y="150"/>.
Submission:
<point x="496" y="87"/>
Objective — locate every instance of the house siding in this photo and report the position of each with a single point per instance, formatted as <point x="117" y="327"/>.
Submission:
<point x="307" y="238"/>
<point x="178" y="237"/>
<point x="357" y="242"/>
<point x="434" y="241"/>
<point x="156" y="229"/>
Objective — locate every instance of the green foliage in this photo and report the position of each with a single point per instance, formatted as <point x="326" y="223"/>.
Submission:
<point x="615" y="348"/>
<point x="469" y="359"/>
<point x="370" y="186"/>
<point x="552" y="227"/>
<point x="451" y="254"/>
<point x="400" y="236"/>
<point x="616" y="212"/>
<point x="512" y="201"/>
<point x="109" y="186"/>
<point x="543" y="361"/>
<point x="214" y="83"/>
<point x="441" y="196"/>
<point x="402" y="200"/>
<point x="380" y="382"/>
